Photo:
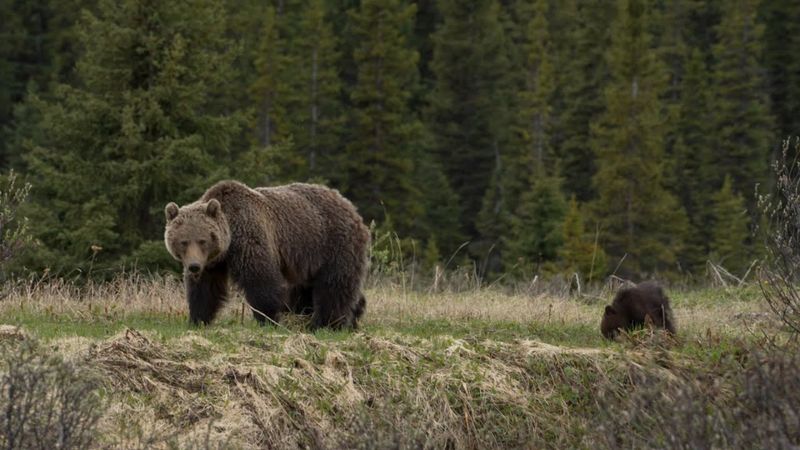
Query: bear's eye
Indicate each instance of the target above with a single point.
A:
(202, 242)
(184, 244)
(214, 237)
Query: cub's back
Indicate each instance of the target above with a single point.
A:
(645, 299)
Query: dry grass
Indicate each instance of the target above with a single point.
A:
(481, 368)
(389, 304)
(121, 296)
(302, 392)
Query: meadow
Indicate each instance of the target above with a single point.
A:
(454, 365)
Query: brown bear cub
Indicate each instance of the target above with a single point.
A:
(636, 306)
(299, 247)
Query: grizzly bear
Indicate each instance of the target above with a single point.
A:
(633, 307)
(299, 247)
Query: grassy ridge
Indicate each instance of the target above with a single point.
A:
(477, 369)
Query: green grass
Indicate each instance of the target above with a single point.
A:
(478, 369)
(50, 326)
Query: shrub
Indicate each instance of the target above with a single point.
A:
(45, 403)
(759, 407)
(781, 212)
(14, 235)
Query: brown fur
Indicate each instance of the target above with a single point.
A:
(634, 307)
(299, 247)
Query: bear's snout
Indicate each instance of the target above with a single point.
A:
(194, 268)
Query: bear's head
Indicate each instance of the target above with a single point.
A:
(197, 235)
(612, 322)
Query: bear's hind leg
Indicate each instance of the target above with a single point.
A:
(337, 302)
(301, 300)
(266, 299)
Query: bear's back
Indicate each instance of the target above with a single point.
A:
(323, 212)
(337, 213)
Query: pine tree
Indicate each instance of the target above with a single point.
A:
(141, 128)
(730, 230)
(691, 155)
(532, 194)
(535, 111)
(743, 137)
(637, 215)
(384, 133)
(671, 24)
(269, 87)
(468, 104)
(313, 97)
(528, 148)
(439, 221)
(37, 47)
(245, 26)
(537, 225)
(668, 28)
(12, 88)
(428, 19)
(580, 253)
(581, 37)
(297, 90)
(494, 218)
(781, 59)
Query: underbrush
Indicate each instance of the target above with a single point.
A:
(45, 403)
(748, 399)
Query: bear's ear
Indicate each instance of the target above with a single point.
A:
(610, 310)
(212, 208)
(171, 211)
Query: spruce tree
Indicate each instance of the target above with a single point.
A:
(297, 91)
(269, 86)
(534, 100)
(691, 156)
(37, 47)
(580, 253)
(782, 61)
(533, 194)
(742, 125)
(468, 104)
(637, 215)
(140, 128)
(12, 79)
(245, 28)
(730, 230)
(440, 208)
(581, 38)
(313, 98)
(529, 125)
(384, 134)
(673, 25)
(537, 225)
(670, 26)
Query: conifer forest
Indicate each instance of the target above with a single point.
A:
(627, 137)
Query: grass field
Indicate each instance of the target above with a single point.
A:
(482, 368)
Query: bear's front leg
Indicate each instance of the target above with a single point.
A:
(206, 293)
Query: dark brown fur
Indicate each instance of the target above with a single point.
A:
(299, 247)
(634, 307)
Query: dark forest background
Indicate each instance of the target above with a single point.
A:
(526, 136)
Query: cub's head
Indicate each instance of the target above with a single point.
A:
(612, 322)
(196, 235)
